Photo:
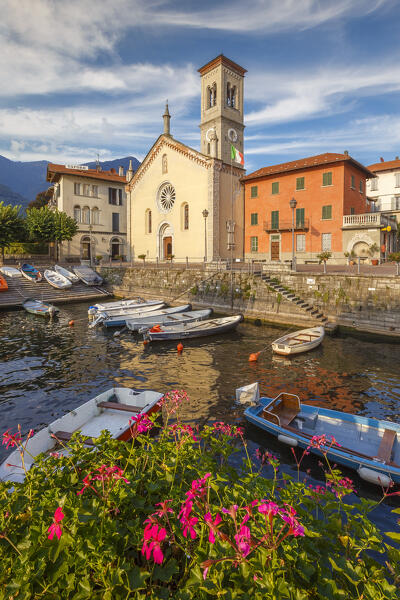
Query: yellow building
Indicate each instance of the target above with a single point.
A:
(189, 204)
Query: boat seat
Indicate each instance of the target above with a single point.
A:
(65, 436)
(119, 406)
(282, 410)
(386, 445)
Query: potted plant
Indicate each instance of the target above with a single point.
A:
(323, 257)
(99, 258)
(372, 250)
(142, 257)
(350, 257)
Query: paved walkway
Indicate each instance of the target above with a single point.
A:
(384, 270)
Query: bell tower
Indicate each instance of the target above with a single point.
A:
(221, 108)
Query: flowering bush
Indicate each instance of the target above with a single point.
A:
(169, 517)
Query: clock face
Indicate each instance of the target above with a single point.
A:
(232, 135)
(209, 134)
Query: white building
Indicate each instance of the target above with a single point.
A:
(96, 199)
(384, 188)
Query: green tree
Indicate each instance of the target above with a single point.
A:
(65, 228)
(42, 199)
(11, 225)
(40, 223)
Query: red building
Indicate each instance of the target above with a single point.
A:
(324, 188)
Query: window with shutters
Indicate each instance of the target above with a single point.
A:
(352, 210)
(397, 180)
(327, 212)
(326, 242)
(86, 215)
(300, 217)
(353, 182)
(77, 214)
(275, 187)
(77, 189)
(95, 215)
(374, 184)
(361, 186)
(115, 222)
(254, 191)
(254, 244)
(300, 183)
(300, 242)
(254, 218)
(275, 219)
(86, 189)
(327, 178)
(115, 196)
(95, 191)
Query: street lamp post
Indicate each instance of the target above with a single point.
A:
(205, 215)
(90, 244)
(293, 204)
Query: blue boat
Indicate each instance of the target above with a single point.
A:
(31, 273)
(37, 307)
(370, 446)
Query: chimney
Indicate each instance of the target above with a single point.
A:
(397, 158)
(121, 171)
(129, 172)
(167, 119)
(382, 159)
(346, 152)
(113, 171)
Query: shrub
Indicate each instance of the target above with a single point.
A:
(169, 517)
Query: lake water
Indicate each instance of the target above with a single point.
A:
(48, 368)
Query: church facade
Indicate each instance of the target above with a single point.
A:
(183, 203)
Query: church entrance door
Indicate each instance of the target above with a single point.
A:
(167, 247)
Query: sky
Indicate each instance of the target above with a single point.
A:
(87, 77)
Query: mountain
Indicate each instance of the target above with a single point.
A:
(21, 181)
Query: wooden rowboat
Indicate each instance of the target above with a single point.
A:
(57, 280)
(37, 307)
(370, 446)
(167, 319)
(31, 273)
(87, 275)
(122, 304)
(109, 411)
(11, 271)
(196, 329)
(3, 284)
(299, 341)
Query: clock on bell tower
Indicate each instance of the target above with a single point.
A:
(221, 107)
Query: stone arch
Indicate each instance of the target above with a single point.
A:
(88, 247)
(359, 244)
(116, 247)
(165, 240)
(86, 215)
(95, 217)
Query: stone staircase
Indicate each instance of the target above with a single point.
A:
(310, 309)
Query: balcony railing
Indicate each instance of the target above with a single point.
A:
(375, 219)
(286, 226)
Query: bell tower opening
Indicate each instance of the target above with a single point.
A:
(222, 83)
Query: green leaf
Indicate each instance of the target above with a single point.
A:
(393, 535)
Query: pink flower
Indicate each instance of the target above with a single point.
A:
(268, 508)
(242, 539)
(165, 509)
(213, 525)
(55, 527)
(11, 440)
(231, 511)
(152, 537)
(142, 423)
(288, 516)
(187, 525)
(205, 573)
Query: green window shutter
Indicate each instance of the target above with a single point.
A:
(254, 191)
(275, 219)
(327, 178)
(254, 218)
(327, 212)
(299, 217)
(352, 210)
(300, 183)
(361, 186)
(275, 187)
(254, 244)
(353, 182)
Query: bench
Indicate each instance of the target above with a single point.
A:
(386, 446)
(65, 436)
(119, 406)
(282, 410)
(309, 261)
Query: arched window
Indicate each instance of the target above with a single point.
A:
(148, 223)
(231, 95)
(95, 215)
(77, 213)
(86, 215)
(185, 216)
(164, 164)
(212, 95)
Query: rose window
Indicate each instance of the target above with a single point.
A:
(166, 197)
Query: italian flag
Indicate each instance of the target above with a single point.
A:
(236, 155)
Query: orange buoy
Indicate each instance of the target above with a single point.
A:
(254, 356)
(179, 347)
(145, 342)
(72, 322)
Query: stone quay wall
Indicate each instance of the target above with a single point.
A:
(362, 302)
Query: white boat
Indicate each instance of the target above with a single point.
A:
(11, 272)
(119, 320)
(68, 274)
(132, 303)
(192, 330)
(87, 275)
(57, 280)
(109, 411)
(153, 321)
(299, 341)
(370, 446)
(118, 317)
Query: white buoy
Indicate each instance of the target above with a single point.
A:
(374, 477)
(285, 439)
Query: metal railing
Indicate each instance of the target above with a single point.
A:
(286, 225)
